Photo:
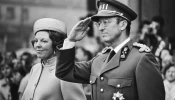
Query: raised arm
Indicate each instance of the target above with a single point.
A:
(66, 68)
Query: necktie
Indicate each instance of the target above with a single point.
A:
(111, 54)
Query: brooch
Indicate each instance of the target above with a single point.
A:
(118, 96)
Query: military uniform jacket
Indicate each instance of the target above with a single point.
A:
(129, 75)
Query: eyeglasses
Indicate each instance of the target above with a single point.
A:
(104, 22)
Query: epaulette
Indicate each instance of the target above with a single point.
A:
(139, 45)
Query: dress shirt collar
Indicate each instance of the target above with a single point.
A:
(121, 45)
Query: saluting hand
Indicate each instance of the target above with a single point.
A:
(79, 31)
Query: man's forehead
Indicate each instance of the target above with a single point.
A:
(155, 23)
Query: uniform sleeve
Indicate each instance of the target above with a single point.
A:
(68, 44)
(72, 91)
(68, 70)
(149, 80)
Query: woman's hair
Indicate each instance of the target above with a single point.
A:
(56, 37)
(160, 20)
(164, 70)
(6, 63)
(144, 22)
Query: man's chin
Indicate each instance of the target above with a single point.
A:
(107, 43)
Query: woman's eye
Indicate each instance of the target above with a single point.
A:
(44, 41)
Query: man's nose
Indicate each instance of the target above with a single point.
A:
(101, 27)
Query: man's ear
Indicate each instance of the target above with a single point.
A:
(123, 24)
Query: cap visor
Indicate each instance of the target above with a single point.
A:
(102, 14)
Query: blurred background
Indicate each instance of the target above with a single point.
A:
(18, 16)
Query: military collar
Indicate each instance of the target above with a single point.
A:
(108, 49)
(120, 56)
(126, 49)
(121, 45)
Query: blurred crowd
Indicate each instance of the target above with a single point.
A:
(151, 34)
(14, 71)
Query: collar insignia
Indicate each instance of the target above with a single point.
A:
(124, 52)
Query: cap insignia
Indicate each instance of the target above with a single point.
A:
(103, 7)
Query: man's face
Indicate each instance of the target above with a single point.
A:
(110, 29)
(155, 27)
(16, 76)
(145, 28)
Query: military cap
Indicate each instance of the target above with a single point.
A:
(111, 8)
(49, 24)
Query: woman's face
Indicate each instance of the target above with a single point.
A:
(43, 45)
(6, 71)
(16, 76)
(170, 74)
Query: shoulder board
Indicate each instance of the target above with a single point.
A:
(142, 46)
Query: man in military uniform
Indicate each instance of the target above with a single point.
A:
(121, 71)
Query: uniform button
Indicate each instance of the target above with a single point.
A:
(102, 78)
(118, 85)
(91, 82)
(101, 90)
